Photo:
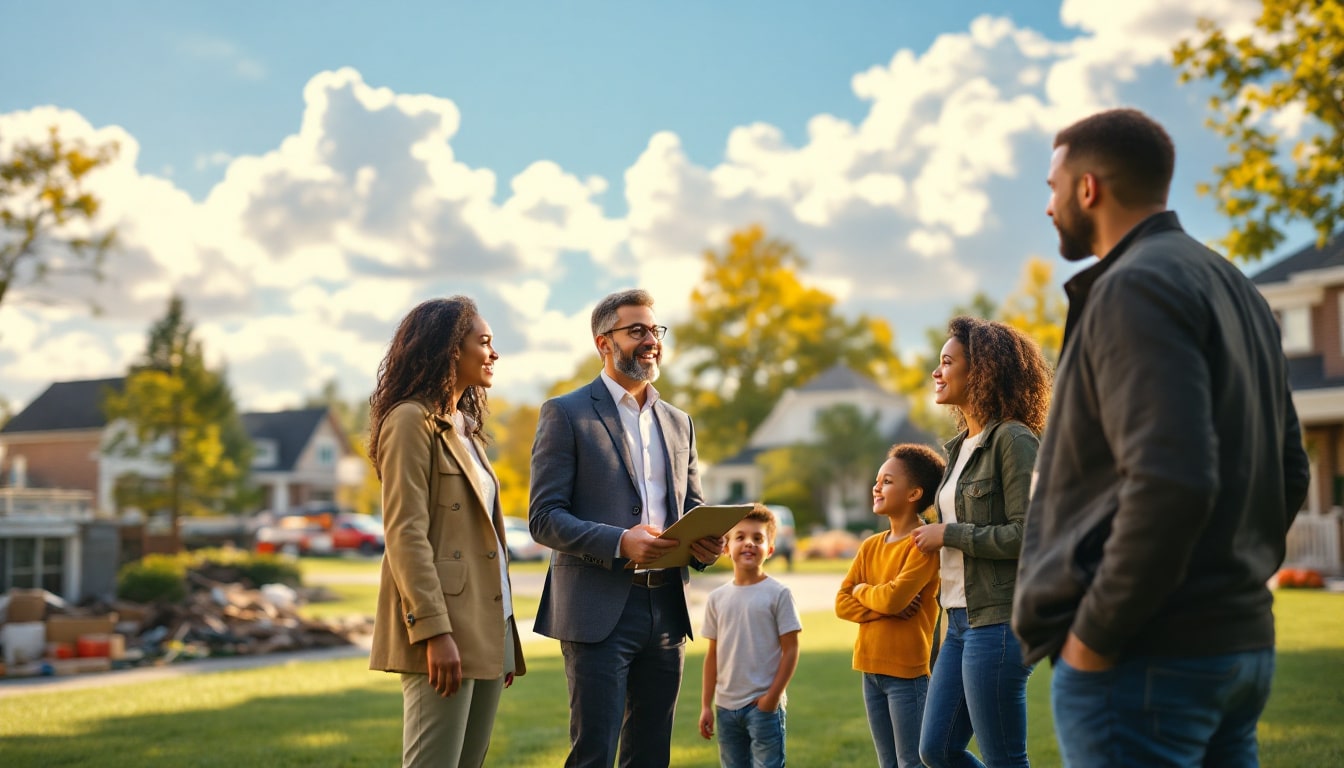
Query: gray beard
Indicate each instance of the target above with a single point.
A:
(636, 370)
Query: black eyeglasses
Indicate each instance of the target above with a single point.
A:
(638, 332)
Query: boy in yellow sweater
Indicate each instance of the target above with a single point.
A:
(891, 592)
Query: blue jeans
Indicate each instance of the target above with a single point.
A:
(979, 686)
(1163, 711)
(750, 738)
(895, 710)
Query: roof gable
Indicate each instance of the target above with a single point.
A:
(840, 378)
(1307, 259)
(289, 431)
(66, 405)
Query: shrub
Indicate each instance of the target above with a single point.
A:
(153, 579)
(163, 578)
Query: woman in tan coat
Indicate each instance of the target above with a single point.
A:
(445, 616)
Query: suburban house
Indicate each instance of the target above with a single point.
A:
(1306, 292)
(300, 457)
(59, 525)
(793, 421)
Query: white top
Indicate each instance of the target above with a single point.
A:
(953, 562)
(745, 623)
(645, 445)
(490, 491)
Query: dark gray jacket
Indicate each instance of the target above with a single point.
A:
(991, 503)
(1172, 463)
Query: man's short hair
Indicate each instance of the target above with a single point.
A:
(1131, 153)
(604, 314)
(924, 467)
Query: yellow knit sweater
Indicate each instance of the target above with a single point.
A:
(891, 574)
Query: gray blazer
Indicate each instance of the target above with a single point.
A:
(584, 496)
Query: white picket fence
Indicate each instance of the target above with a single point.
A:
(1313, 542)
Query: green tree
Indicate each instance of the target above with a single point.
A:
(848, 450)
(179, 415)
(48, 218)
(756, 330)
(1291, 63)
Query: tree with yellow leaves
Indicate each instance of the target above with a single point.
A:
(48, 220)
(755, 330)
(1290, 66)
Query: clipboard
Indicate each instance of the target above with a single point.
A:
(704, 520)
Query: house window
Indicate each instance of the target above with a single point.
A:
(265, 454)
(737, 491)
(1295, 327)
(33, 562)
(326, 454)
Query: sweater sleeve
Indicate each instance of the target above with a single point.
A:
(895, 594)
(847, 606)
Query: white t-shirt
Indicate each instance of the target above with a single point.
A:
(745, 623)
(491, 492)
(953, 562)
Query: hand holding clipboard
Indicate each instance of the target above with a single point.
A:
(705, 520)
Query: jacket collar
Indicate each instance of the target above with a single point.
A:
(951, 446)
(446, 433)
(1080, 285)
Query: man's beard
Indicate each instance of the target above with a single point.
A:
(1076, 232)
(633, 367)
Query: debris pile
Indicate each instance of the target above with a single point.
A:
(42, 635)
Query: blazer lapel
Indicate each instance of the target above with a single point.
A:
(672, 439)
(611, 419)
(458, 450)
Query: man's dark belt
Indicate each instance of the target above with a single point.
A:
(652, 579)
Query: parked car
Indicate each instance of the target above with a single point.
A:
(786, 540)
(361, 533)
(520, 543)
(321, 531)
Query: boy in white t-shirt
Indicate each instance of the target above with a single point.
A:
(752, 626)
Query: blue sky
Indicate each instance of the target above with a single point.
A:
(304, 172)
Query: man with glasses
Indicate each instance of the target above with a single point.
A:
(612, 467)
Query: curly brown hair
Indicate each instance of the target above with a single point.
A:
(1007, 377)
(421, 364)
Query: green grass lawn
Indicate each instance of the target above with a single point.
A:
(339, 714)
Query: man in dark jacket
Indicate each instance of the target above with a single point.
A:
(1171, 469)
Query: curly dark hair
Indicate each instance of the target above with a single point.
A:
(421, 364)
(1007, 378)
(924, 466)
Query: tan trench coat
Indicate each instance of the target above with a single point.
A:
(441, 567)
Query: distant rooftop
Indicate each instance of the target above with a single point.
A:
(840, 378)
(66, 405)
(1305, 260)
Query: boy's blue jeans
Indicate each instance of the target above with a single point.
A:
(750, 738)
(1163, 711)
(979, 686)
(895, 709)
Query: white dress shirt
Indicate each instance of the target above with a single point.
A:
(645, 444)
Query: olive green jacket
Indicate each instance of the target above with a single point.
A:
(992, 496)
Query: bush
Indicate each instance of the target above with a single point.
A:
(153, 579)
(163, 578)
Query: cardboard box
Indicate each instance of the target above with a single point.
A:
(67, 629)
(26, 605)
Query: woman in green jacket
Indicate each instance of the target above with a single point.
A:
(998, 386)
